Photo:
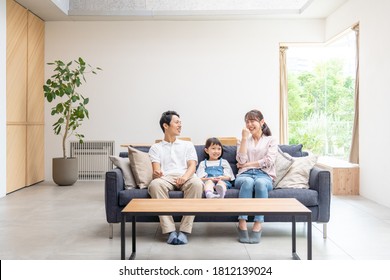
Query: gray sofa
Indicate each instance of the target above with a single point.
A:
(316, 197)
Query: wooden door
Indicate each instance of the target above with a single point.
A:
(35, 101)
(25, 102)
(16, 95)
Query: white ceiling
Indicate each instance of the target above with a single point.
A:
(58, 10)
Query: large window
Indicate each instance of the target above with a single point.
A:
(321, 86)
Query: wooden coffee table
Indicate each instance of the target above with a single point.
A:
(213, 207)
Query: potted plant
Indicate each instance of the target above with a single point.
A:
(61, 88)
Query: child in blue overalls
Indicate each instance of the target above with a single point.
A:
(215, 171)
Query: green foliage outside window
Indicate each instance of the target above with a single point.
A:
(321, 109)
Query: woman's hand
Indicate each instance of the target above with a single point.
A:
(241, 165)
(253, 164)
(245, 133)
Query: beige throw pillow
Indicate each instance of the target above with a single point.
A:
(298, 175)
(141, 166)
(124, 165)
(283, 163)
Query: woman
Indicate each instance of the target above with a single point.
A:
(256, 154)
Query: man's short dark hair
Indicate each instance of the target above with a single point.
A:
(166, 117)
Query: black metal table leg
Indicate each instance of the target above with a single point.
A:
(133, 238)
(123, 239)
(294, 239)
(309, 238)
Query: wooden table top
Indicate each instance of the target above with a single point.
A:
(215, 206)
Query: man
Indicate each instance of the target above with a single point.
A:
(174, 164)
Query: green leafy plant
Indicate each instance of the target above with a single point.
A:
(321, 109)
(71, 106)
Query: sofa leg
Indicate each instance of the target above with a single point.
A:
(325, 230)
(110, 230)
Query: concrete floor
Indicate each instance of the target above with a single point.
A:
(48, 222)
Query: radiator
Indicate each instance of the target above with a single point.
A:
(93, 158)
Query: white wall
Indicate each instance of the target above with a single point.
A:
(211, 72)
(3, 129)
(374, 91)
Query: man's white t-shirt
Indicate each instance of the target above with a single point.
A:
(173, 157)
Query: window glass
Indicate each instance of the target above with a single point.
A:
(321, 88)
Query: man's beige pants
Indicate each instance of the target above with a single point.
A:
(160, 187)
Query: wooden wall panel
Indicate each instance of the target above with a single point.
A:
(35, 154)
(16, 62)
(25, 101)
(16, 157)
(35, 69)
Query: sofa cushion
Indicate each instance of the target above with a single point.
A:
(141, 167)
(124, 165)
(307, 197)
(292, 150)
(229, 153)
(126, 195)
(200, 152)
(298, 175)
(283, 164)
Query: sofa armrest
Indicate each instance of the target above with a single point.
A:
(320, 181)
(113, 185)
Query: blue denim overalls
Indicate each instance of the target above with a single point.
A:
(215, 171)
